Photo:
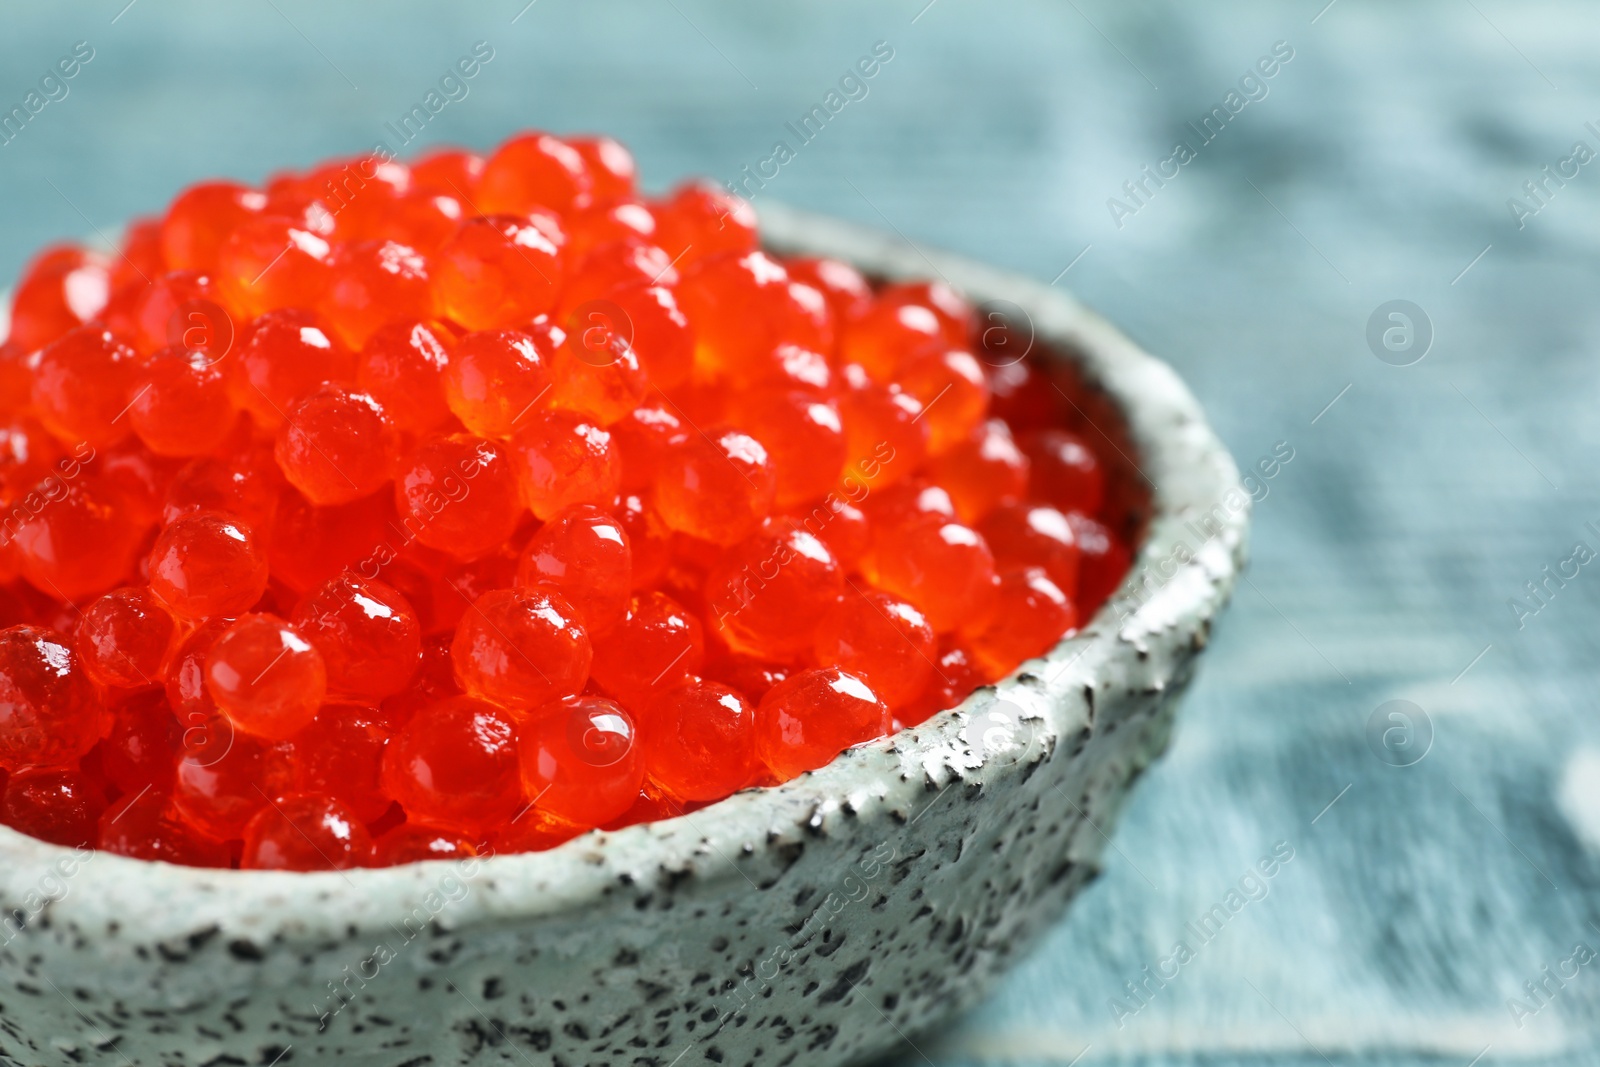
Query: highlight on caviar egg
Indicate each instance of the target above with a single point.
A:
(360, 529)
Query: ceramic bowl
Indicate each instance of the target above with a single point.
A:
(817, 922)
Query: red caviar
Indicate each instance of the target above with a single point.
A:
(497, 504)
(266, 677)
(581, 759)
(305, 832)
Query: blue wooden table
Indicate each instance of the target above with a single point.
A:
(1442, 892)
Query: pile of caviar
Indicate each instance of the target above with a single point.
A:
(391, 512)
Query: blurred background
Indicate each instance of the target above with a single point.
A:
(1387, 702)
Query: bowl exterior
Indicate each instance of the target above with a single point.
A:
(821, 921)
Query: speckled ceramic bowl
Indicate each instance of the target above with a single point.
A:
(813, 923)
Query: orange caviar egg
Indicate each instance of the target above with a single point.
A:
(16, 379)
(649, 541)
(305, 832)
(562, 459)
(609, 222)
(700, 220)
(718, 486)
(186, 690)
(1035, 535)
(266, 677)
(954, 396)
(1102, 560)
(644, 438)
(603, 268)
(700, 741)
(149, 825)
(941, 566)
(455, 766)
(752, 677)
(284, 356)
(580, 761)
(804, 438)
(425, 221)
(846, 290)
(201, 219)
(367, 633)
(177, 308)
(1031, 615)
(60, 290)
(271, 262)
(884, 640)
(310, 544)
(208, 564)
(597, 374)
(49, 715)
(583, 554)
(799, 370)
(29, 454)
(611, 168)
(123, 639)
(458, 493)
(140, 258)
(1018, 392)
(82, 385)
(448, 172)
(657, 330)
(180, 404)
(956, 674)
(906, 501)
(352, 201)
(370, 282)
(336, 445)
(767, 595)
(984, 471)
(534, 170)
(242, 479)
(521, 649)
(224, 780)
(958, 320)
(498, 271)
(59, 806)
(743, 308)
(1065, 471)
(889, 337)
(886, 437)
(809, 718)
(496, 379)
(140, 478)
(79, 543)
(432, 681)
(839, 524)
(402, 367)
(657, 645)
(413, 842)
(340, 755)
